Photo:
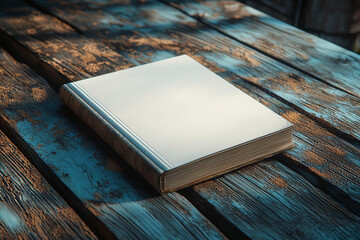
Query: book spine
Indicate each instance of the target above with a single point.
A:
(123, 146)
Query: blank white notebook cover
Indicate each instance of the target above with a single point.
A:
(181, 110)
(177, 111)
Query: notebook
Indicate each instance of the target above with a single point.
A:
(176, 122)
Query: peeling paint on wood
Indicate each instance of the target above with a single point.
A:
(267, 201)
(29, 207)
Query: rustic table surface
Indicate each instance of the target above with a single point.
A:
(59, 180)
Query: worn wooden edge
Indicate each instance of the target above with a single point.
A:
(289, 15)
(232, 19)
(339, 195)
(24, 55)
(216, 216)
(29, 206)
(323, 123)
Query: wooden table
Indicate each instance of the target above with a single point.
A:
(59, 180)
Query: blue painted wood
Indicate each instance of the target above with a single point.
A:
(105, 184)
(327, 61)
(29, 206)
(138, 50)
(269, 202)
(323, 153)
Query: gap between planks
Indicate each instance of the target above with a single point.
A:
(323, 123)
(97, 226)
(207, 209)
(333, 191)
(47, 12)
(22, 54)
(28, 203)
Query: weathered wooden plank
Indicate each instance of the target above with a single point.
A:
(62, 40)
(276, 204)
(29, 206)
(166, 29)
(324, 154)
(108, 188)
(327, 61)
(340, 168)
(349, 220)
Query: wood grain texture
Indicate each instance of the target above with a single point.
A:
(107, 187)
(268, 198)
(322, 152)
(140, 51)
(29, 207)
(327, 61)
(168, 30)
(325, 155)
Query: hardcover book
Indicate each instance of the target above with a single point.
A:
(176, 122)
